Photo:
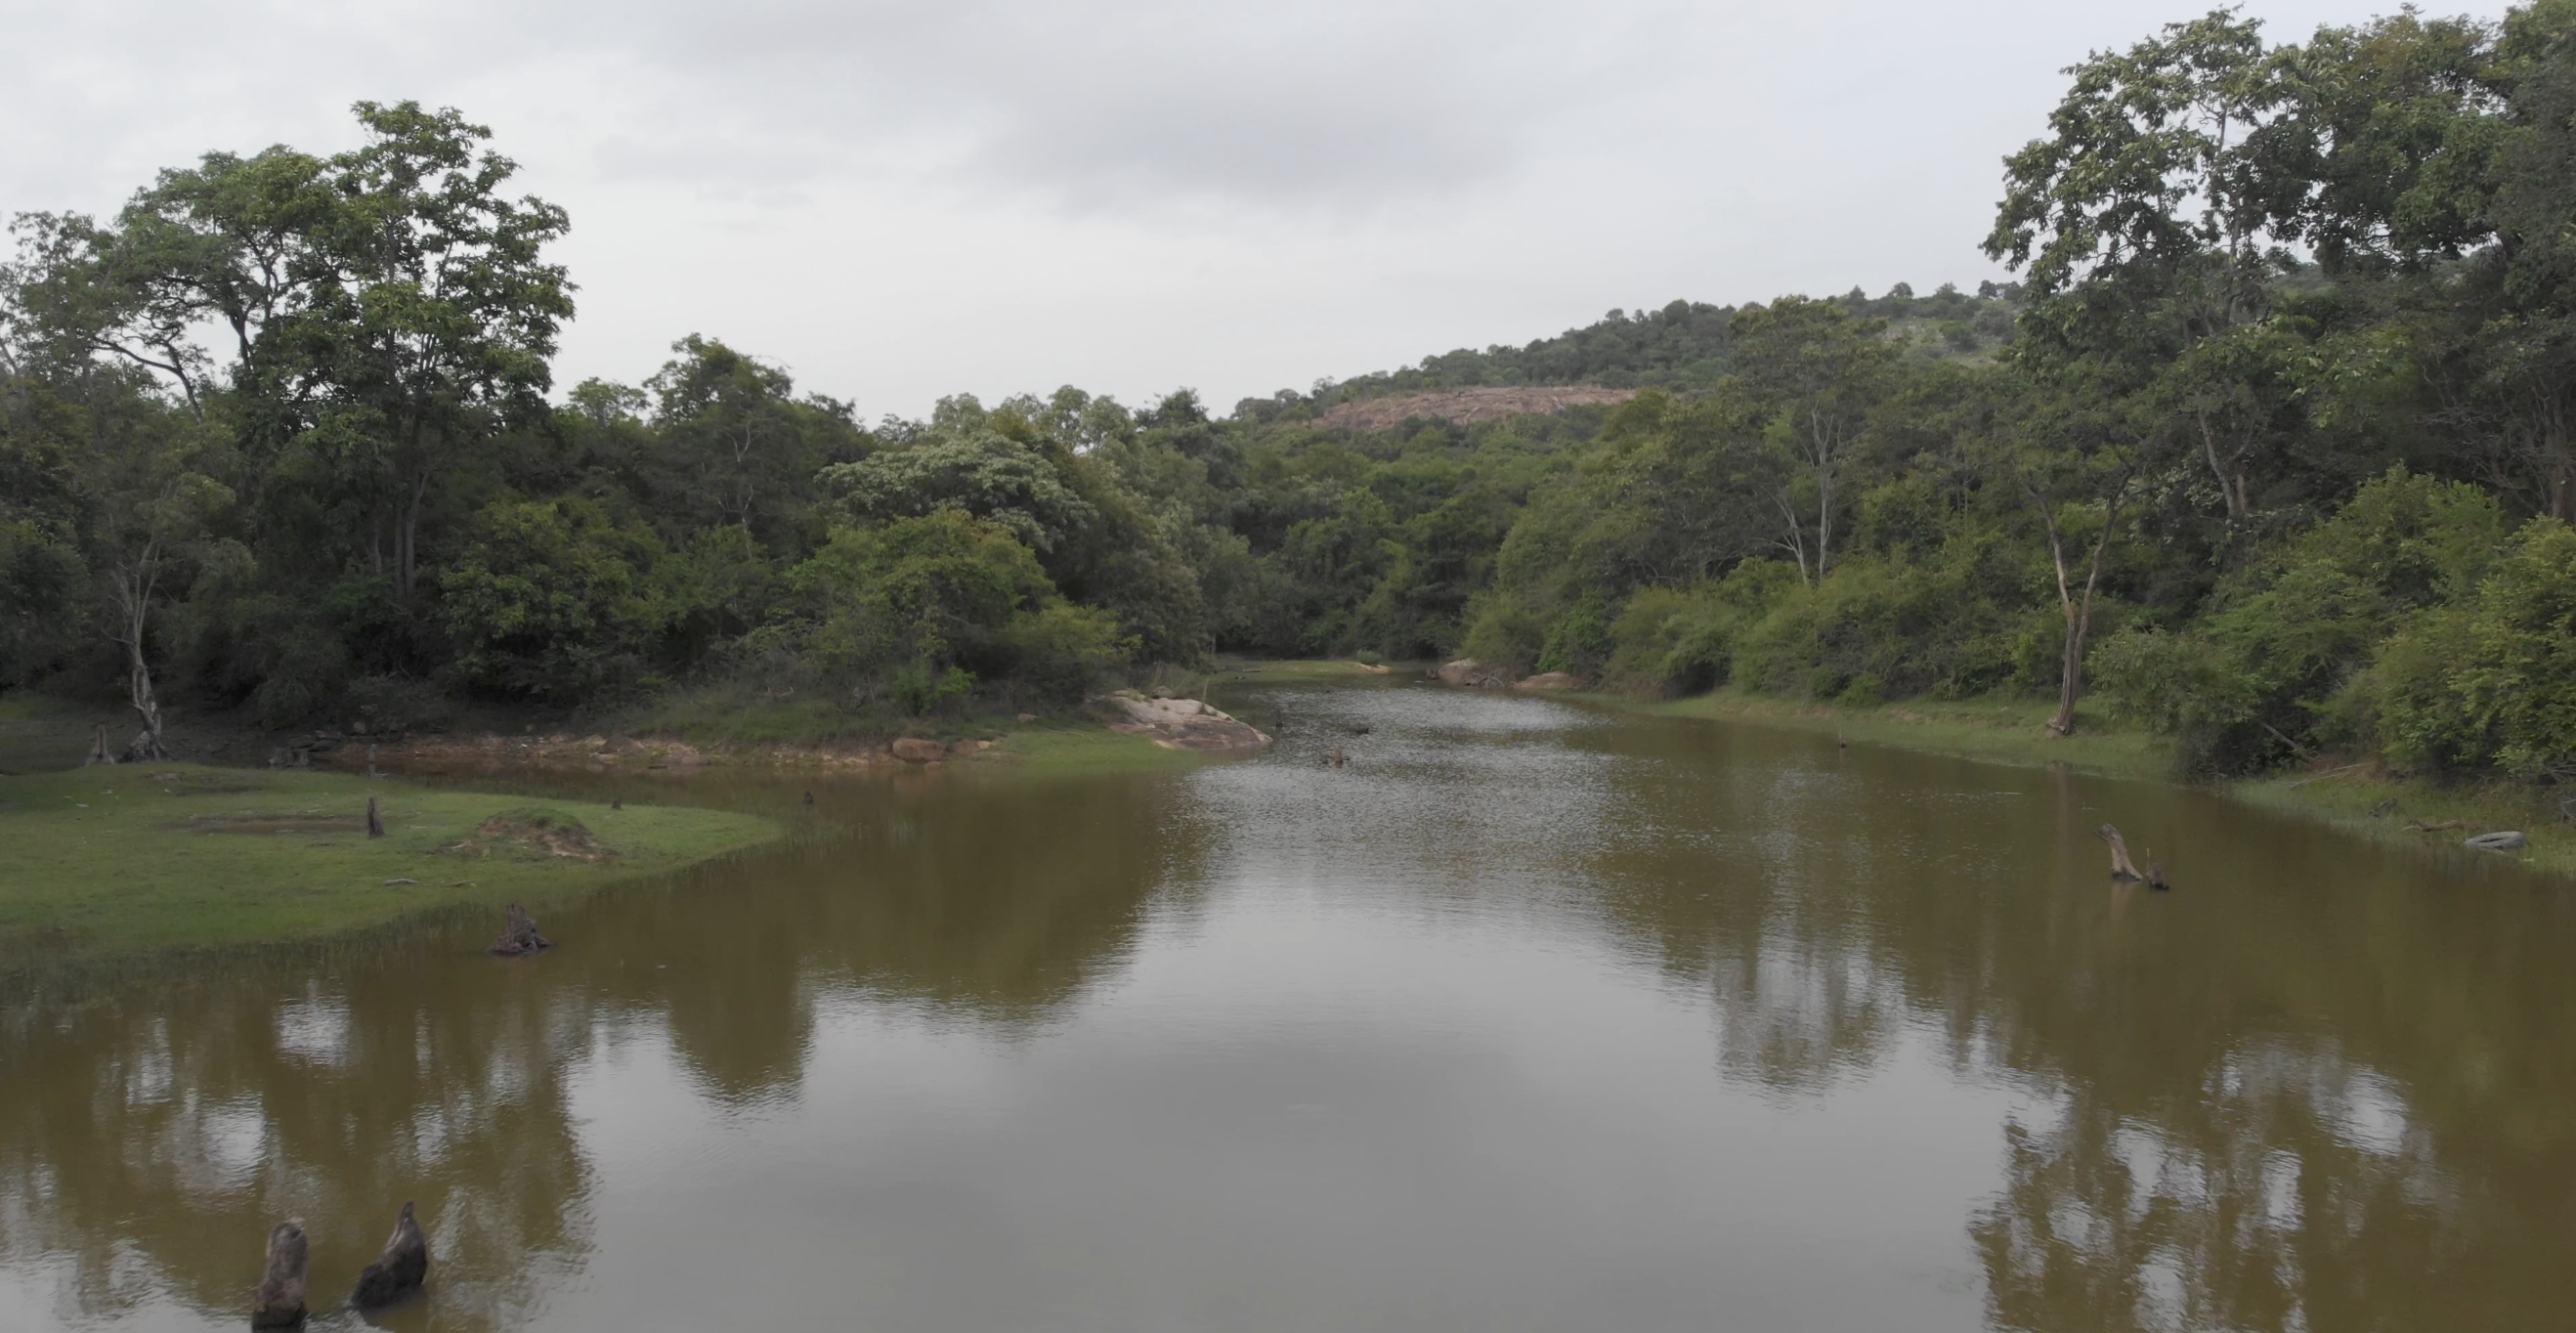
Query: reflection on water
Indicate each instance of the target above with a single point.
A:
(1529, 1018)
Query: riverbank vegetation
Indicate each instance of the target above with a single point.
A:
(126, 860)
(2267, 449)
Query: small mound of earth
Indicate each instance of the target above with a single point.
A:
(1178, 724)
(532, 835)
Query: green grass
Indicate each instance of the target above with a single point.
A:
(2369, 802)
(1069, 747)
(106, 862)
(2012, 731)
(1304, 669)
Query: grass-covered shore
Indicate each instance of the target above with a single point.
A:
(137, 859)
(2364, 799)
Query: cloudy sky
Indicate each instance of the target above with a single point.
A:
(898, 199)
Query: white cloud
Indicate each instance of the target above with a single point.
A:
(906, 199)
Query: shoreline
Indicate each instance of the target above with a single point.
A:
(2363, 799)
(118, 870)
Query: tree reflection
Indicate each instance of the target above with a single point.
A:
(147, 1144)
(169, 1133)
(2302, 1092)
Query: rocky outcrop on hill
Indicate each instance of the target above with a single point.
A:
(1469, 406)
(1177, 724)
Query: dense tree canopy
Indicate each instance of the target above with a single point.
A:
(2271, 439)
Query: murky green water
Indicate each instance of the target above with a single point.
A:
(1530, 1019)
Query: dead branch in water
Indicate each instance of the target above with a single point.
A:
(2122, 868)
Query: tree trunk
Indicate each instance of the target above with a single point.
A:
(280, 1299)
(134, 589)
(400, 1270)
(2231, 476)
(2078, 610)
(375, 819)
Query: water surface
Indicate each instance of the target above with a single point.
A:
(1531, 1018)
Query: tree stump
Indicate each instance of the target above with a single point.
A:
(400, 1270)
(280, 1300)
(375, 819)
(519, 935)
(2122, 868)
(98, 751)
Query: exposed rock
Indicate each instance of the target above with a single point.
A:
(1469, 671)
(2508, 840)
(279, 1302)
(1178, 724)
(519, 935)
(1553, 680)
(917, 749)
(400, 1270)
(1471, 405)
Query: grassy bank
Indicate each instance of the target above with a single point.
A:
(2362, 798)
(2010, 731)
(134, 858)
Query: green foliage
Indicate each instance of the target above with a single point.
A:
(1674, 641)
(549, 601)
(2263, 675)
(2490, 682)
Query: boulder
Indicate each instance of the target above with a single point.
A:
(1553, 680)
(1178, 724)
(1466, 671)
(917, 749)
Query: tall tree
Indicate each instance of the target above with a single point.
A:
(1817, 370)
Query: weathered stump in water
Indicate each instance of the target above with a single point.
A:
(400, 1270)
(2122, 868)
(375, 819)
(279, 1302)
(519, 935)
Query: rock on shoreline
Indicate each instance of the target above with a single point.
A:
(1178, 724)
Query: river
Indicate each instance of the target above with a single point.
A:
(1532, 1017)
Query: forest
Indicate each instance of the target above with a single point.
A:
(2266, 446)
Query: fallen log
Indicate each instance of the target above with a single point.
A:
(279, 1303)
(519, 935)
(2506, 840)
(400, 1270)
(2122, 868)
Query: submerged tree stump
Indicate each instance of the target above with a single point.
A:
(519, 935)
(2122, 868)
(279, 1302)
(400, 1270)
(375, 819)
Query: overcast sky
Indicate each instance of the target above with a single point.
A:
(899, 199)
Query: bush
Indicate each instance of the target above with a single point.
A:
(2272, 671)
(548, 602)
(2491, 683)
(1948, 624)
(1673, 641)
